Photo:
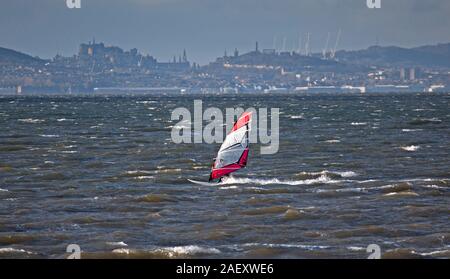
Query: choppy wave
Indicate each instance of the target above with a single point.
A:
(229, 187)
(356, 248)
(127, 190)
(31, 120)
(137, 172)
(168, 170)
(117, 244)
(297, 117)
(276, 209)
(9, 250)
(411, 130)
(438, 253)
(359, 123)
(332, 141)
(434, 187)
(404, 253)
(287, 245)
(323, 179)
(144, 177)
(168, 252)
(397, 189)
(331, 174)
(145, 102)
(156, 198)
(424, 121)
(401, 194)
(410, 148)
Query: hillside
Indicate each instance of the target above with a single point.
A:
(9, 56)
(426, 56)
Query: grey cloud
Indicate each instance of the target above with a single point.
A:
(207, 27)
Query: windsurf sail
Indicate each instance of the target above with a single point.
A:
(233, 153)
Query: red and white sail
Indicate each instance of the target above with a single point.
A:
(233, 153)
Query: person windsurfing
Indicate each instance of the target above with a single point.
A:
(221, 179)
(233, 153)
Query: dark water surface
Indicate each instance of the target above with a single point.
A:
(102, 172)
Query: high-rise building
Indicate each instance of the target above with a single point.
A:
(412, 74)
(402, 74)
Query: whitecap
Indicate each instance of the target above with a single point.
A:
(31, 120)
(229, 187)
(411, 130)
(325, 172)
(190, 250)
(144, 177)
(297, 117)
(138, 171)
(410, 148)
(321, 179)
(145, 102)
(121, 244)
(167, 170)
(282, 245)
(14, 250)
(346, 173)
(434, 187)
(402, 193)
(367, 181)
(434, 253)
(69, 146)
(356, 248)
(173, 251)
(358, 123)
(357, 190)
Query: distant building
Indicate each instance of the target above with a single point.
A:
(184, 56)
(402, 74)
(412, 74)
(269, 51)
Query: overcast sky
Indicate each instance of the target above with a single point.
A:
(206, 28)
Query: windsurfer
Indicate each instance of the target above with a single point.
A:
(233, 153)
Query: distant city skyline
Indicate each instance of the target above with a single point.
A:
(206, 28)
